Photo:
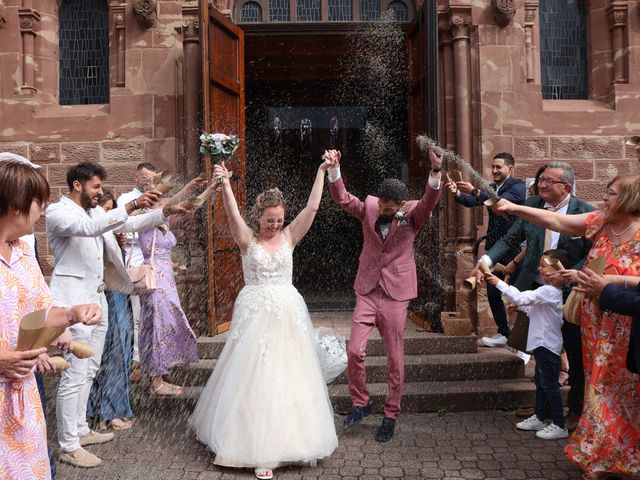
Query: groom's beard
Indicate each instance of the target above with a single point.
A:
(385, 218)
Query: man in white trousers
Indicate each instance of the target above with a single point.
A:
(84, 262)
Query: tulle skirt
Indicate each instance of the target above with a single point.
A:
(266, 403)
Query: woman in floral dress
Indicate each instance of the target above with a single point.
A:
(23, 438)
(608, 434)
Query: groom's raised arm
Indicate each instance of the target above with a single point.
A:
(348, 202)
(424, 209)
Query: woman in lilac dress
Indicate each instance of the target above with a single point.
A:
(166, 339)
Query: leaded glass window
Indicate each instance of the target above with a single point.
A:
(563, 49)
(308, 10)
(278, 10)
(399, 11)
(84, 52)
(340, 10)
(251, 12)
(369, 10)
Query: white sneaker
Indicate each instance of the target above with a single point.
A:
(497, 340)
(552, 432)
(533, 423)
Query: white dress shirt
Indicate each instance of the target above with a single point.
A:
(544, 308)
(132, 245)
(555, 237)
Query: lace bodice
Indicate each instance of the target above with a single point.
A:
(260, 268)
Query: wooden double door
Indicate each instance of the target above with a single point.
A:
(224, 111)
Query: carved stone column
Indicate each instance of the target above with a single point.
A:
(456, 21)
(191, 55)
(460, 23)
(118, 12)
(453, 210)
(530, 10)
(617, 14)
(29, 26)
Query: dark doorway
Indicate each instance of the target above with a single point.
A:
(315, 87)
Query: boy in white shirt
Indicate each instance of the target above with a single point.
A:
(544, 308)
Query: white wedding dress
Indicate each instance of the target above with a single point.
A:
(266, 402)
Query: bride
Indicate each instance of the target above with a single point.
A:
(266, 403)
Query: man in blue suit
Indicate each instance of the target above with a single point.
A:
(514, 190)
(617, 299)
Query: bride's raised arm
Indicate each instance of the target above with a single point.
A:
(302, 223)
(241, 232)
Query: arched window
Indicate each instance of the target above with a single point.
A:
(340, 10)
(369, 10)
(308, 10)
(563, 49)
(278, 10)
(398, 11)
(251, 12)
(84, 52)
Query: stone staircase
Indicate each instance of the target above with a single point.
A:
(442, 373)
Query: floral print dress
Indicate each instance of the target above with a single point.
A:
(23, 434)
(608, 435)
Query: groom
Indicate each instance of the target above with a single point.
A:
(386, 281)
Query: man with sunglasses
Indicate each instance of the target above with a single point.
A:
(554, 193)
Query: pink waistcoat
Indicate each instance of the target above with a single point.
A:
(389, 263)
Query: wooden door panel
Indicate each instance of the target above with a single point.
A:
(223, 75)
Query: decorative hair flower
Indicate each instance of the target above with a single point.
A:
(218, 145)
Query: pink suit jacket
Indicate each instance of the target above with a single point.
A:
(391, 262)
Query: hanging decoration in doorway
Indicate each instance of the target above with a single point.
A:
(276, 137)
(334, 130)
(305, 133)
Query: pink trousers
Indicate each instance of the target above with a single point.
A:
(390, 317)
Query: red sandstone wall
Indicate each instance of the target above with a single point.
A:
(141, 122)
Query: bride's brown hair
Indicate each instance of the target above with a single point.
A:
(267, 199)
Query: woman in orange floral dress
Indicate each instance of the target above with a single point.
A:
(607, 440)
(23, 447)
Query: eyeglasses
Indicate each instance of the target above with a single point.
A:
(549, 181)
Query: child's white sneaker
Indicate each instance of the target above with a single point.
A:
(552, 432)
(533, 423)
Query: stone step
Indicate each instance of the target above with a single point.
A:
(486, 364)
(415, 343)
(418, 397)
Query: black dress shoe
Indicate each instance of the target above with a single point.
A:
(356, 415)
(385, 432)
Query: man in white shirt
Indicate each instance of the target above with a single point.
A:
(554, 186)
(143, 178)
(75, 228)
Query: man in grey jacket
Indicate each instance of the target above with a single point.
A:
(76, 228)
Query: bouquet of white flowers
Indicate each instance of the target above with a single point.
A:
(218, 145)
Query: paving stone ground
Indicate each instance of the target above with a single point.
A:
(451, 446)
